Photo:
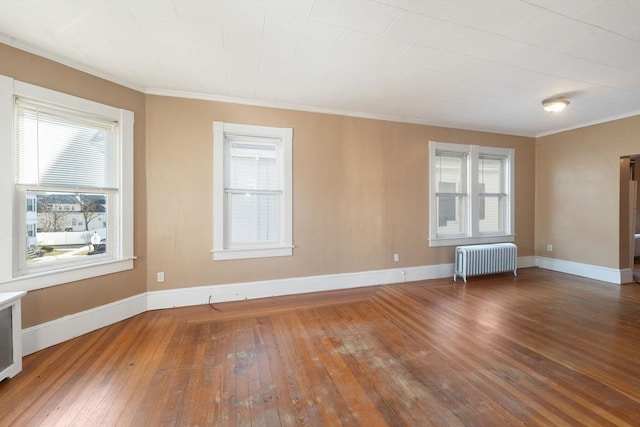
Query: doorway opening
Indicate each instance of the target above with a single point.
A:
(630, 218)
(634, 215)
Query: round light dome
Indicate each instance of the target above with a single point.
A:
(555, 105)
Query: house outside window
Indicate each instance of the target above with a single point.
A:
(31, 204)
(252, 191)
(63, 159)
(471, 194)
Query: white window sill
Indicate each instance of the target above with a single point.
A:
(49, 278)
(228, 254)
(456, 241)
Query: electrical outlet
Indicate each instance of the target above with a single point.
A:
(549, 248)
(160, 276)
(396, 257)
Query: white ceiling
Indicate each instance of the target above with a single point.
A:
(471, 64)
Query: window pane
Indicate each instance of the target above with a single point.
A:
(490, 174)
(451, 169)
(65, 226)
(253, 219)
(450, 215)
(253, 166)
(58, 150)
(493, 210)
(447, 205)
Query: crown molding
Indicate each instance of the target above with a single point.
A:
(591, 123)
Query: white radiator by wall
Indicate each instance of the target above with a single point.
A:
(475, 260)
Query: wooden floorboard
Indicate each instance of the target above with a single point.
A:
(539, 349)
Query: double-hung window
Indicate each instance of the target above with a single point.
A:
(252, 191)
(471, 194)
(67, 178)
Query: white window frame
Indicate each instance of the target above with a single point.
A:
(284, 246)
(12, 213)
(471, 233)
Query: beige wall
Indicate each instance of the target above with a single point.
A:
(55, 302)
(360, 193)
(577, 207)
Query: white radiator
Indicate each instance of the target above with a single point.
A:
(475, 260)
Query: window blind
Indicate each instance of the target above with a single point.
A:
(57, 150)
(253, 165)
(253, 193)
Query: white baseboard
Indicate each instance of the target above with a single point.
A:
(626, 275)
(605, 274)
(527, 262)
(65, 328)
(297, 285)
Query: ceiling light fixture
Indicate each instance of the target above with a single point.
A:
(554, 105)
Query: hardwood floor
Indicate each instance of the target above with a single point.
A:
(542, 348)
